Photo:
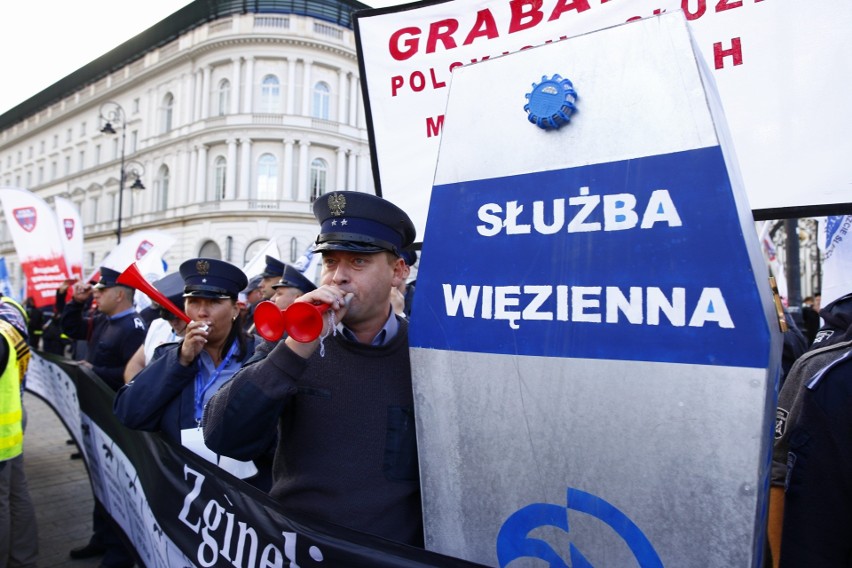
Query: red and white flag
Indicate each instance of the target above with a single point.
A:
(837, 257)
(71, 229)
(35, 232)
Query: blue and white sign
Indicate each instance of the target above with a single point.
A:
(593, 312)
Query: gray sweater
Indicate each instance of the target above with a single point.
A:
(347, 450)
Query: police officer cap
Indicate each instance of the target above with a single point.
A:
(211, 278)
(361, 222)
(171, 286)
(274, 267)
(253, 284)
(109, 278)
(294, 279)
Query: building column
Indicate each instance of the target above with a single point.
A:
(248, 86)
(231, 171)
(306, 88)
(196, 107)
(350, 178)
(340, 171)
(244, 189)
(363, 168)
(303, 189)
(289, 190)
(341, 96)
(192, 189)
(185, 100)
(205, 92)
(183, 197)
(291, 85)
(353, 100)
(235, 90)
(201, 187)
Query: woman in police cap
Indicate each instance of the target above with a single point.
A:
(169, 394)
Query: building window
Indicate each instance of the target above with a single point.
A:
(81, 164)
(319, 175)
(40, 175)
(67, 165)
(68, 135)
(161, 188)
(136, 105)
(55, 141)
(168, 112)
(322, 94)
(267, 176)
(134, 141)
(29, 179)
(223, 97)
(115, 149)
(221, 169)
(54, 170)
(82, 129)
(210, 250)
(41, 147)
(270, 93)
(97, 154)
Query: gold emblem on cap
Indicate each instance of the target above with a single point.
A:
(203, 267)
(336, 204)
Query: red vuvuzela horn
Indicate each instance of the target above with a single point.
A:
(302, 321)
(133, 278)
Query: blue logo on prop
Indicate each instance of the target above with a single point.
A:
(513, 541)
(551, 102)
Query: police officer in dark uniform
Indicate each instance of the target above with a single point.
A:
(272, 273)
(292, 285)
(113, 333)
(818, 498)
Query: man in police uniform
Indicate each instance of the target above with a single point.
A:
(116, 333)
(272, 273)
(342, 404)
(18, 527)
(292, 285)
(818, 495)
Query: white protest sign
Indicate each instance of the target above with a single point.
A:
(782, 69)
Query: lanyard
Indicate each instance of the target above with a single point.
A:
(201, 387)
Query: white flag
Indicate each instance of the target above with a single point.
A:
(35, 231)
(258, 262)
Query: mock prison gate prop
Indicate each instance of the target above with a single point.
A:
(594, 345)
(177, 509)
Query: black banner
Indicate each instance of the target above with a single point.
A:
(177, 509)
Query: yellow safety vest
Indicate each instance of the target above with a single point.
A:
(11, 413)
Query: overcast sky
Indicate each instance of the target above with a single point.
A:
(42, 41)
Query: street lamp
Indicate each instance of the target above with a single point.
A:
(112, 115)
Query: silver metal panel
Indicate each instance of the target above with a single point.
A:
(677, 448)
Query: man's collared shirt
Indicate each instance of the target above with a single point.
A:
(388, 332)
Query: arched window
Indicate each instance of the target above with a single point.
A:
(267, 177)
(270, 94)
(168, 112)
(221, 168)
(322, 94)
(210, 250)
(161, 189)
(319, 174)
(223, 97)
(253, 249)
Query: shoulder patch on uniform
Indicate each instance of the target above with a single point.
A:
(781, 416)
(138, 323)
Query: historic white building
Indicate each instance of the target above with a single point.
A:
(234, 115)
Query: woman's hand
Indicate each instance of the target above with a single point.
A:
(194, 340)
